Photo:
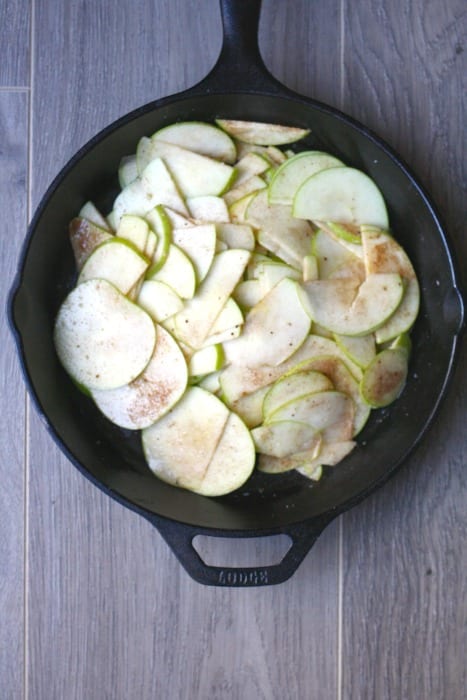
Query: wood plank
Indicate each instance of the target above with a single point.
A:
(111, 611)
(13, 205)
(404, 549)
(14, 43)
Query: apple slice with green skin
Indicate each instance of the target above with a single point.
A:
(382, 253)
(116, 261)
(262, 133)
(159, 300)
(342, 195)
(200, 137)
(177, 271)
(229, 317)
(135, 230)
(360, 349)
(206, 360)
(292, 387)
(344, 307)
(284, 438)
(193, 324)
(249, 407)
(127, 171)
(236, 235)
(179, 447)
(199, 244)
(90, 212)
(304, 462)
(330, 412)
(85, 237)
(160, 223)
(194, 174)
(148, 397)
(271, 273)
(330, 253)
(253, 184)
(154, 186)
(208, 208)
(248, 293)
(151, 244)
(102, 339)
(237, 210)
(272, 221)
(385, 377)
(176, 220)
(249, 165)
(273, 329)
(310, 268)
(294, 171)
(233, 460)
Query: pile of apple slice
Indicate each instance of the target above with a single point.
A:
(241, 304)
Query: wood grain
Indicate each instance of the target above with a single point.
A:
(13, 205)
(15, 16)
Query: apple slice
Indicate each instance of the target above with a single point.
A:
(90, 212)
(135, 230)
(148, 397)
(252, 184)
(127, 171)
(194, 174)
(85, 237)
(102, 339)
(206, 360)
(199, 243)
(269, 273)
(208, 208)
(293, 386)
(304, 462)
(237, 210)
(248, 293)
(177, 271)
(385, 377)
(360, 349)
(262, 133)
(200, 137)
(160, 223)
(117, 262)
(330, 253)
(273, 329)
(343, 195)
(248, 407)
(159, 300)
(236, 235)
(283, 438)
(294, 171)
(180, 445)
(343, 307)
(251, 164)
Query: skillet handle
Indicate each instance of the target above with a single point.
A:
(240, 66)
(180, 539)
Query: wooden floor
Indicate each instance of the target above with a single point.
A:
(93, 604)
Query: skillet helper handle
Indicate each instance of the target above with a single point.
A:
(180, 539)
(240, 65)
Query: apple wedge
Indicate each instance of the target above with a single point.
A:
(200, 137)
(85, 237)
(102, 339)
(294, 171)
(148, 397)
(273, 329)
(342, 306)
(283, 438)
(116, 261)
(342, 195)
(261, 133)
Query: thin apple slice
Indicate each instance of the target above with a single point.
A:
(233, 460)
(385, 377)
(179, 447)
(90, 212)
(135, 230)
(269, 273)
(160, 223)
(294, 171)
(262, 133)
(148, 397)
(273, 329)
(85, 237)
(343, 195)
(154, 186)
(237, 210)
(177, 271)
(208, 208)
(249, 407)
(239, 190)
(194, 174)
(127, 171)
(102, 339)
(206, 360)
(193, 324)
(117, 262)
(283, 438)
(330, 253)
(342, 306)
(200, 137)
(360, 349)
(199, 243)
(159, 300)
(236, 235)
(248, 293)
(293, 386)
(251, 164)
(305, 462)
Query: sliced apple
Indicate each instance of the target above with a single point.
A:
(102, 339)
(85, 236)
(160, 223)
(360, 349)
(248, 293)
(252, 184)
(159, 300)
(237, 210)
(310, 268)
(248, 407)
(330, 253)
(127, 170)
(269, 273)
(206, 360)
(294, 171)
(293, 386)
(283, 438)
(251, 164)
(208, 208)
(304, 462)
(236, 235)
(262, 133)
(148, 397)
(117, 262)
(342, 195)
(177, 271)
(200, 137)
(90, 212)
(342, 306)
(273, 329)
(135, 230)
(385, 377)
(199, 243)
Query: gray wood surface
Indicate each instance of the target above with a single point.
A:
(93, 603)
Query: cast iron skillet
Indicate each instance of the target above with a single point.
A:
(239, 87)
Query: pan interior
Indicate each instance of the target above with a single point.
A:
(113, 457)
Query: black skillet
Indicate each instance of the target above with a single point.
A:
(239, 87)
